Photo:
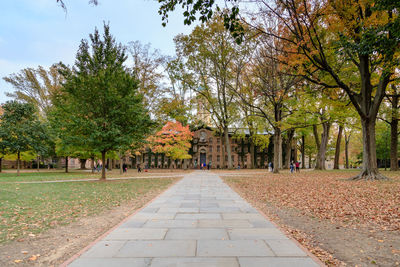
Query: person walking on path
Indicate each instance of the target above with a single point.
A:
(292, 167)
(138, 168)
(297, 166)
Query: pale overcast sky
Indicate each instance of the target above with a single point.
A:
(39, 32)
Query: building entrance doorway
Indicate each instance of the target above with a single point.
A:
(203, 159)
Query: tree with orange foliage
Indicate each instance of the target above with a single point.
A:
(173, 140)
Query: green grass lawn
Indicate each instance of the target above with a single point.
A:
(45, 175)
(32, 208)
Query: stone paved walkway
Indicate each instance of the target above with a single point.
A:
(199, 221)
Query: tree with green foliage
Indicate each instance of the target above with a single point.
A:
(21, 130)
(99, 106)
(212, 57)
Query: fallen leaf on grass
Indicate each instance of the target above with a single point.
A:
(33, 258)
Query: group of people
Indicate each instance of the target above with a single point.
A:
(98, 167)
(204, 166)
(293, 166)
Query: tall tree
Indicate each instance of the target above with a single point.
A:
(210, 53)
(99, 105)
(36, 86)
(148, 67)
(21, 130)
(273, 88)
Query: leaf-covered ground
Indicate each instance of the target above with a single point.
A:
(28, 209)
(357, 222)
(327, 195)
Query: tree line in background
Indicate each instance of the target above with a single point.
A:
(314, 71)
(345, 54)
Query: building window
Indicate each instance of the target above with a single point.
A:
(210, 140)
(218, 158)
(218, 140)
(210, 149)
(218, 148)
(210, 158)
(233, 158)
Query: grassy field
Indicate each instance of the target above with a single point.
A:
(28, 209)
(45, 175)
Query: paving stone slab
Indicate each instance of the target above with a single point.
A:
(196, 216)
(149, 209)
(224, 224)
(255, 234)
(104, 249)
(146, 216)
(152, 249)
(242, 216)
(261, 223)
(220, 209)
(285, 248)
(176, 210)
(197, 234)
(170, 224)
(133, 223)
(225, 248)
(277, 262)
(195, 262)
(136, 234)
(111, 262)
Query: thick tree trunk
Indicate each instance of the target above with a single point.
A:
(18, 162)
(309, 161)
(38, 163)
(303, 156)
(337, 150)
(92, 164)
(1, 164)
(252, 151)
(277, 149)
(320, 160)
(288, 153)
(103, 169)
(394, 165)
(346, 149)
(121, 169)
(228, 148)
(222, 151)
(370, 167)
(83, 164)
(66, 164)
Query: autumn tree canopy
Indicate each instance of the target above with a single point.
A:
(173, 140)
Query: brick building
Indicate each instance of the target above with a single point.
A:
(207, 147)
